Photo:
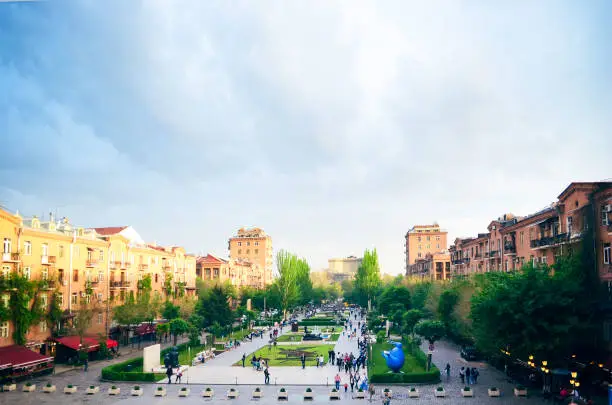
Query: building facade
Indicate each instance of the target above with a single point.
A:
(238, 272)
(434, 266)
(340, 269)
(93, 267)
(254, 246)
(421, 240)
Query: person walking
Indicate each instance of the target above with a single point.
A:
(85, 364)
(267, 375)
(303, 360)
(448, 371)
(352, 381)
(468, 376)
(179, 375)
(371, 391)
(337, 381)
(462, 375)
(169, 374)
(243, 359)
(475, 374)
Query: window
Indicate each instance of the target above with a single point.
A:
(6, 246)
(44, 274)
(428, 238)
(248, 243)
(543, 260)
(75, 275)
(27, 272)
(45, 249)
(44, 301)
(60, 299)
(4, 329)
(100, 276)
(100, 297)
(419, 254)
(239, 251)
(418, 238)
(27, 248)
(239, 243)
(606, 253)
(428, 246)
(256, 251)
(438, 246)
(521, 237)
(437, 238)
(100, 318)
(419, 247)
(5, 300)
(42, 326)
(248, 251)
(60, 250)
(74, 299)
(605, 212)
(88, 298)
(570, 221)
(256, 243)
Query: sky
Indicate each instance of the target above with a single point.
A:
(333, 125)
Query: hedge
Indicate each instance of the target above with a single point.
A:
(117, 372)
(432, 376)
(315, 322)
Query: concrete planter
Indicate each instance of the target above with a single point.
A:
(184, 392)
(29, 388)
(208, 393)
(360, 395)
(283, 395)
(520, 392)
(49, 389)
(9, 387)
(308, 395)
(467, 393)
(70, 390)
(413, 393)
(232, 393)
(439, 393)
(257, 393)
(92, 389)
(160, 392)
(114, 391)
(493, 392)
(136, 391)
(334, 394)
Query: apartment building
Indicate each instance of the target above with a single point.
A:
(543, 236)
(345, 268)
(434, 266)
(422, 240)
(97, 266)
(254, 246)
(238, 272)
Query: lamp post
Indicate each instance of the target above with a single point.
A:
(574, 381)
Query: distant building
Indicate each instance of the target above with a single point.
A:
(343, 268)
(239, 272)
(434, 266)
(254, 246)
(422, 240)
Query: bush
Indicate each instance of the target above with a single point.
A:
(381, 335)
(316, 322)
(431, 376)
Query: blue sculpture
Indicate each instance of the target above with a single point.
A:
(395, 357)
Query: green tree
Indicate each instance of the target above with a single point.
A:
(289, 268)
(430, 330)
(83, 317)
(55, 314)
(213, 307)
(420, 294)
(393, 298)
(367, 279)
(170, 311)
(410, 319)
(179, 327)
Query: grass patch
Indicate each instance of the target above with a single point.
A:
(294, 337)
(413, 369)
(285, 356)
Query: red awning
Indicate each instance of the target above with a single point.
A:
(92, 344)
(145, 329)
(19, 356)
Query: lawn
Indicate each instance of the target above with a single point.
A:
(288, 356)
(290, 337)
(378, 364)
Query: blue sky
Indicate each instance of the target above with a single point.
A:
(334, 125)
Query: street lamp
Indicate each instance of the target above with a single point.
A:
(544, 363)
(574, 374)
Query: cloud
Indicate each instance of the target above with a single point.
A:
(334, 125)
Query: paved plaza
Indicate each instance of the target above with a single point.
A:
(221, 375)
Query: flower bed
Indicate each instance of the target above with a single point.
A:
(413, 369)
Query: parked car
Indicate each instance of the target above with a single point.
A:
(470, 353)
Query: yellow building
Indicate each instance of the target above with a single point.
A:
(97, 267)
(340, 269)
(238, 272)
(422, 240)
(254, 246)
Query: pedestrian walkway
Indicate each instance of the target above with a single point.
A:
(221, 370)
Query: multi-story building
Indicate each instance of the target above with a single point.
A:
(423, 239)
(340, 269)
(96, 267)
(238, 272)
(254, 246)
(434, 266)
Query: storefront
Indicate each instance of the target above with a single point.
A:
(68, 347)
(19, 362)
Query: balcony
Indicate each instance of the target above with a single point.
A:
(166, 267)
(548, 241)
(47, 260)
(143, 267)
(114, 265)
(10, 257)
(119, 284)
(509, 248)
(48, 284)
(94, 282)
(125, 265)
(91, 263)
(477, 256)
(493, 254)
